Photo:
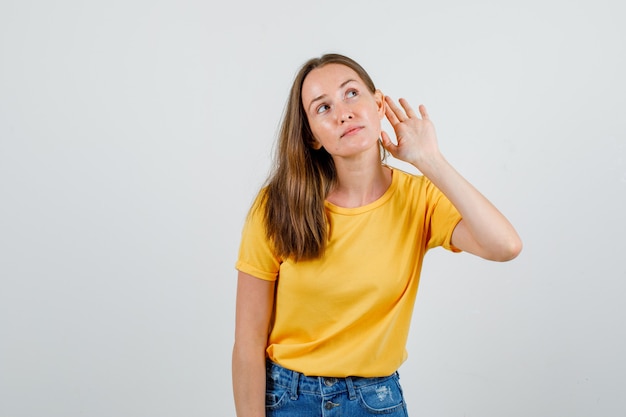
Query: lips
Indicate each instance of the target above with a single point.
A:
(351, 131)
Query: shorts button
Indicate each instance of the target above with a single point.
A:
(329, 382)
(330, 405)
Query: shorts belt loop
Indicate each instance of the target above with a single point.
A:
(295, 378)
(351, 390)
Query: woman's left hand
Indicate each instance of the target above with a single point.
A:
(416, 140)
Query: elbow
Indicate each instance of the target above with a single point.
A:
(508, 250)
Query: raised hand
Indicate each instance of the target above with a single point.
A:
(416, 140)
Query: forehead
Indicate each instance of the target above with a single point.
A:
(326, 79)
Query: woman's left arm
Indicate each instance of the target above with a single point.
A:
(483, 231)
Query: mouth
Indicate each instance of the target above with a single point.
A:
(351, 131)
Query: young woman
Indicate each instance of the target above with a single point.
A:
(332, 249)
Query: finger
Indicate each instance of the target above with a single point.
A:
(408, 109)
(397, 111)
(391, 116)
(387, 143)
(423, 112)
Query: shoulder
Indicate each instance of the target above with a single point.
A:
(416, 190)
(409, 182)
(259, 202)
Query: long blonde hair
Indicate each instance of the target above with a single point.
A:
(295, 219)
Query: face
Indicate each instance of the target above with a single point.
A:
(344, 115)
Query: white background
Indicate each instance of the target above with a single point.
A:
(134, 135)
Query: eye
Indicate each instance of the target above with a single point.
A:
(352, 93)
(322, 108)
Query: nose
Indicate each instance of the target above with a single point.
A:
(345, 114)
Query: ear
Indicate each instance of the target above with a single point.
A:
(380, 103)
(316, 145)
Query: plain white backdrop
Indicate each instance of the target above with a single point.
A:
(134, 135)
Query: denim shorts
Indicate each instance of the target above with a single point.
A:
(292, 394)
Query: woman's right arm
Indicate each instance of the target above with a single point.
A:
(255, 302)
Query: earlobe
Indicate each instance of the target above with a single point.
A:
(315, 144)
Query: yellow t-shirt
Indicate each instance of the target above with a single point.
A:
(348, 313)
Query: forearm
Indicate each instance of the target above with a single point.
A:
(491, 235)
(248, 373)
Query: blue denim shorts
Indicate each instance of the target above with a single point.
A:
(292, 394)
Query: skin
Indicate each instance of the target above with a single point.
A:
(255, 301)
(345, 119)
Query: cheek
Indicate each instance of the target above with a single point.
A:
(319, 128)
(376, 120)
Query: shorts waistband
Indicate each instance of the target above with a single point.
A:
(297, 382)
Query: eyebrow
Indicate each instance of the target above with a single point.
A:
(343, 84)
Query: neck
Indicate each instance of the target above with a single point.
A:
(359, 181)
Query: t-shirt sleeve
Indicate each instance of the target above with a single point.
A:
(255, 253)
(443, 218)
